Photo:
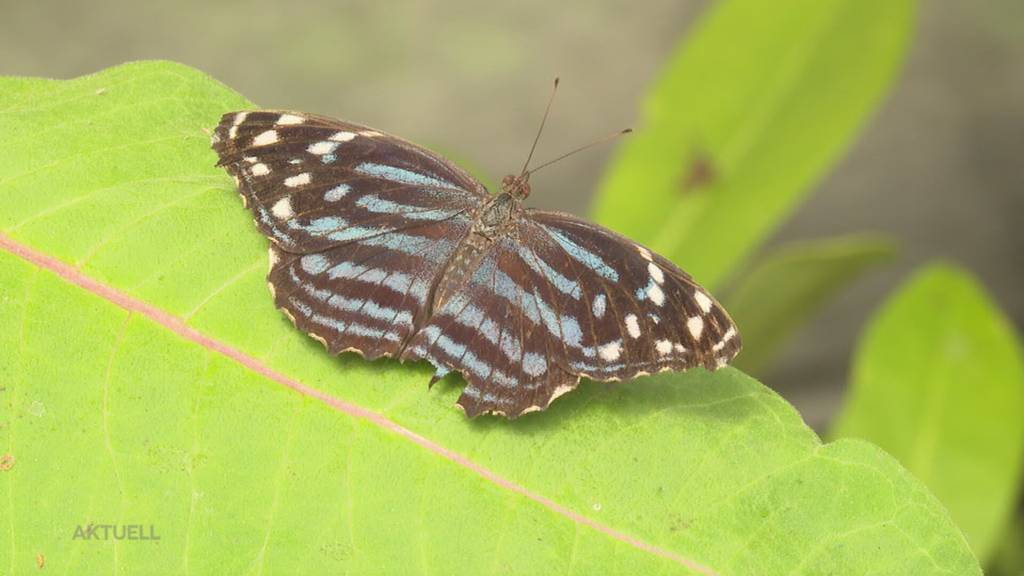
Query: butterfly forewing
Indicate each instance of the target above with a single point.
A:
(313, 183)
(363, 223)
(643, 314)
(382, 247)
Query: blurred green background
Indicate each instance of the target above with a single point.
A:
(938, 167)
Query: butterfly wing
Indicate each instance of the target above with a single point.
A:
(314, 182)
(362, 223)
(492, 331)
(643, 314)
(365, 225)
(562, 298)
(367, 295)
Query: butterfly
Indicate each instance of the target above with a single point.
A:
(383, 248)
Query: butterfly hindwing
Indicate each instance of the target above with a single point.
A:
(368, 294)
(489, 331)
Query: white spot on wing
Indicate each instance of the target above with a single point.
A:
(289, 120)
(725, 339)
(260, 169)
(283, 209)
(370, 133)
(663, 347)
(274, 257)
(645, 253)
(632, 326)
(268, 137)
(324, 147)
(656, 273)
(239, 118)
(297, 180)
(679, 347)
(342, 136)
(696, 326)
(656, 295)
(610, 352)
(702, 300)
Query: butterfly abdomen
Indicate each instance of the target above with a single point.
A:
(460, 267)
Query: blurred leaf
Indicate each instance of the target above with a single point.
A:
(151, 381)
(753, 109)
(1008, 558)
(788, 285)
(939, 383)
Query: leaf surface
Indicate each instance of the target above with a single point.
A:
(938, 381)
(149, 380)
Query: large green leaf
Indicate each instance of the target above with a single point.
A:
(789, 284)
(150, 381)
(939, 383)
(753, 108)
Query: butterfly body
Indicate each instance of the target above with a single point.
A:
(498, 216)
(386, 249)
(463, 262)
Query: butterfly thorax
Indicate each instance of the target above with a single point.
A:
(495, 219)
(500, 213)
(497, 216)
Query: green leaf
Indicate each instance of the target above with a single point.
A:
(752, 110)
(939, 383)
(1007, 558)
(150, 381)
(788, 285)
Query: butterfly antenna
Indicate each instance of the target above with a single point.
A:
(607, 138)
(536, 139)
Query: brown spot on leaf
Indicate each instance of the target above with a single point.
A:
(40, 560)
(700, 173)
(6, 462)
